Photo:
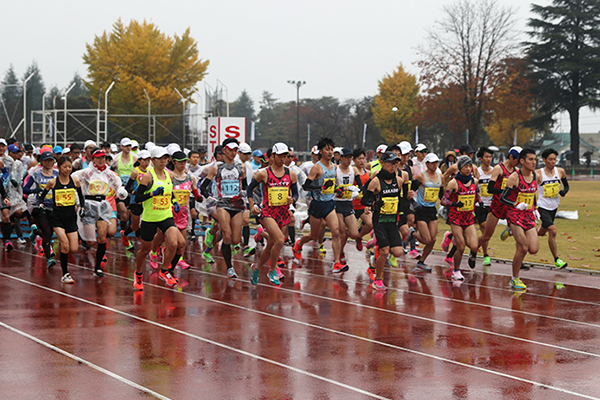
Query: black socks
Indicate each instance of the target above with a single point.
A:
(64, 260)
(226, 250)
(100, 254)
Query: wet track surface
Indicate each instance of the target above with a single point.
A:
(319, 336)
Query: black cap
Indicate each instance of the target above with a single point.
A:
(47, 155)
(202, 149)
(389, 156)
(179, 156)
(219, 149)
(466, 149)
(269, 152)
(346, 152)
(28, 147)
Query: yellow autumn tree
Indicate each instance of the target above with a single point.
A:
(137, 57)
(395, 108)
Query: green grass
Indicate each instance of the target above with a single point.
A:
(578, 241)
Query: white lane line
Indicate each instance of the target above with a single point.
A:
(415, 352)
(83, 361)
(209, 341)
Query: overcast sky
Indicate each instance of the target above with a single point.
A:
(340, 48)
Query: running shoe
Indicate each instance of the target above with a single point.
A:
(138, 281)
(32, 234)
(255, 274)
(525, 267)
(98, 273)
(235, 249)
(404, 248)
(378, 285)
(449, 260)
(338, 267)
(104, 258)
(66, 278)
(487, 261)
(372, 261)
(182, 264)
(371, 272)
(208, 239)
(411, 231)
(20, 240)
(167, 277)
(304, 222)
(52, 250)
(505, 234)
(51, 262)
(231, 273)
(297, 250)
(457, 276)
(280, 274)
(208, 257)
(517, 284)
(343, 257)
(370, 244)
(393, 261)
(560, 264)
(154, 258)
(259, 230)
(8, 246)
(446, 242)
(124, 239)
(472, 260)
(273, 278)
(413, 253)
(322, 249)
(423, 267)
(249, 251)
(359, 244)
(38, 245)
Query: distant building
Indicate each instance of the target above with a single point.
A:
(589, 146)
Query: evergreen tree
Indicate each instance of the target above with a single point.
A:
(243, 106)
(11, 110)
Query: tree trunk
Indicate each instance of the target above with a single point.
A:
(574, 117)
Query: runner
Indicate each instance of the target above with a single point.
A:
(375, 166)
(482, 208)
(5, 209)
(244, 156)
(301, 177)
(460, 198)
(345, 192)
(549, 179)
(15, 190)
(123, 165)
(383, 193)
(279, 192)
(132, 184)
(429, 188)
(97, 181)
(519, 198)
(321, 181)
(63, 217)
(155, 192)
(361, 212)
(230, 194)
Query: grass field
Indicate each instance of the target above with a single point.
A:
(578, 240)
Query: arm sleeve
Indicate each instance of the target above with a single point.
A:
(27, 188)
(445, 200)
(250, 189)
(81, 197)
(565, 189)
(368, 198)
(492, 188)
(441, 193)
(140, 196)
(44, 193)
(244, 184)
(294, 187)
(2, 191)
(129, 186)
(204, 188)
(504, 197)
(309, 186)
(415, 185)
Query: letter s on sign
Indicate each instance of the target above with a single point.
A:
(232, 131)
(213, 131)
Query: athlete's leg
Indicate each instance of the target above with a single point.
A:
(490, 226)
(459, 243)
(332, 223)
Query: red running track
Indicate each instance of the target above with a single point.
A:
(319, 336)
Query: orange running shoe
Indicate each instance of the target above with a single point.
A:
(138, 281)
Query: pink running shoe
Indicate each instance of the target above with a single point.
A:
(259, 230)
(449, 261)
(154, 261)
(413, 253)
(38, 244)
(280, 274)
(182, 264)
(370, 244)
(378, 285)
(446, 242)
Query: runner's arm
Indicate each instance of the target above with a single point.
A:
(510, 186)
(563, 180)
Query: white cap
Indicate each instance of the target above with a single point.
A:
(143, 154)
(405, 147)
(381, 148)
(158, 152)
(125, 142)
(66, 150)
(337, 150)
(515, 151)
(315, 150)
(113, 147)
(245, 148)
(149, 146)
(3, 141)
(89, 143)
(134, 143)
(431, 157)
(280, 148)
(186, 151)
(172, 148)
(420, 147)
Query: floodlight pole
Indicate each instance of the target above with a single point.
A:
(65, 111)
(183, 100)
(226, 96)
(149, 109)
(25, 106)
(298, 84)
(106, 110)
(43, 115)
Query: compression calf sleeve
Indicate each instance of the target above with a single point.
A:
(100, 254)
(246, 235)
(64, 260)
(226, 250)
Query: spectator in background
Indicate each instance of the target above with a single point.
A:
(419, 159)
(256, 155)
(307, 166)
(202, 153)
(449, 159)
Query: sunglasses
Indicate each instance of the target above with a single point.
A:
(290, 156)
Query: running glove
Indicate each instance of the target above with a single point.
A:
(158, 191)
(176, 207)
(522, 206)
(81, 212)
(458, 204)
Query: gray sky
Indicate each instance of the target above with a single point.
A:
(340, 48)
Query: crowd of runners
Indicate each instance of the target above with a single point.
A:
(156, 197)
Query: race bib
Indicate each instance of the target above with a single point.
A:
(468, 201)
(278, 196)
(98, 188)
(331, 188)
(230, 187)
(64, 197)
(431, 195)
(182, 197)
(551, 190)
(346, 194)
(161, 203)
(409, 185)
(390, 205)
(484, 190)
(527, 198)
(504, 183)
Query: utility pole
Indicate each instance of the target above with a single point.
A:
(298, 84)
